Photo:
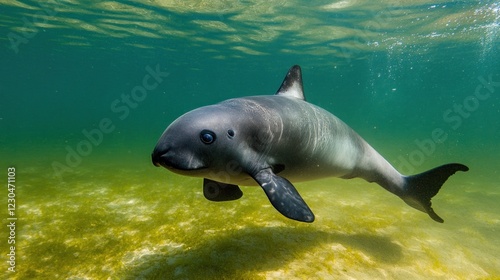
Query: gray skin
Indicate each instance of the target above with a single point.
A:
(274, 140)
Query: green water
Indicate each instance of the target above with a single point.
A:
(419, 80)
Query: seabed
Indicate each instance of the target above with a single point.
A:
(135, 224)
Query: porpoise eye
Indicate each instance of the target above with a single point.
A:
(207, 136)
(230, 133)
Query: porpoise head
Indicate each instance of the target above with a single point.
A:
(204, 142)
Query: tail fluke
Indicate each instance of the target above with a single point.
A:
(420, 188)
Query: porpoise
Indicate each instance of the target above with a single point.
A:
(274, 140)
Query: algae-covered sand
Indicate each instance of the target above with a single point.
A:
(108, 221)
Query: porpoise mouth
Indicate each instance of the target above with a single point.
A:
(156, 158)
(173, 163)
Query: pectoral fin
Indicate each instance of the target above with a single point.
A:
(216, 191)
(283, 196)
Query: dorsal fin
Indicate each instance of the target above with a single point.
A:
(292, 84)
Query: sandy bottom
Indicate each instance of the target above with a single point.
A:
(104, 223)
